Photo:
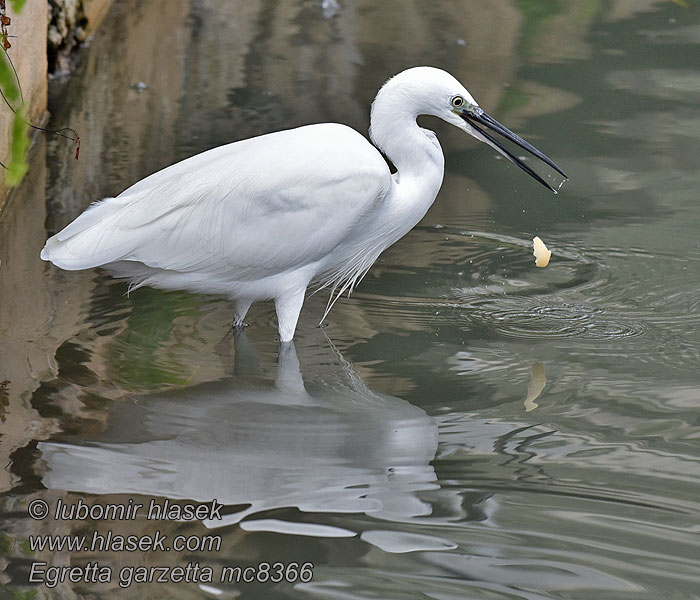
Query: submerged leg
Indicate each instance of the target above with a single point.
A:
(288, 308)
(245, 362)
(288, 377)
(242, 307)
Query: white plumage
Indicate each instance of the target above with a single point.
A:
(266, 217)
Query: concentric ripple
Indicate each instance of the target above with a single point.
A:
(528, 318)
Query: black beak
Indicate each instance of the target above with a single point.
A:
(479, 116)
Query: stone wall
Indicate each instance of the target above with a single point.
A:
(77, 18)
(28, 54)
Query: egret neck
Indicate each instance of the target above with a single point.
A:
(413, 150)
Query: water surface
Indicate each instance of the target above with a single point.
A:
(465, 425)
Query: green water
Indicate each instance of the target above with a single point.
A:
(465, 425)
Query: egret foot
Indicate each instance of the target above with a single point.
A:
(242, 307)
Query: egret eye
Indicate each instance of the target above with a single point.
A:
(457, 101)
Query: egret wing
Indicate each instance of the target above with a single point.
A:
(242, 212)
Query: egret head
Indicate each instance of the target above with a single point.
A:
(431, 91)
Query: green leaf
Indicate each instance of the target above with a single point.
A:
(17, 5)
(8, 82)
(17, 165)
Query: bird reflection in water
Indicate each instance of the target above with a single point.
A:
(330, 445)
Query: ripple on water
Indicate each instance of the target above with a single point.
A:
(586, 293)
(542, 318)
(566, 300)
(630, 302)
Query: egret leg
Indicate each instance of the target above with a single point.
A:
(288, 308)
(242, 307)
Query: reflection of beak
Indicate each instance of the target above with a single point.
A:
(474, 115)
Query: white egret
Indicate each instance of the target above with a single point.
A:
(268, 217)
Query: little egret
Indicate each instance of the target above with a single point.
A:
(268, 217)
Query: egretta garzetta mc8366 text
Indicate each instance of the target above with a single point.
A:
(267, 217)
